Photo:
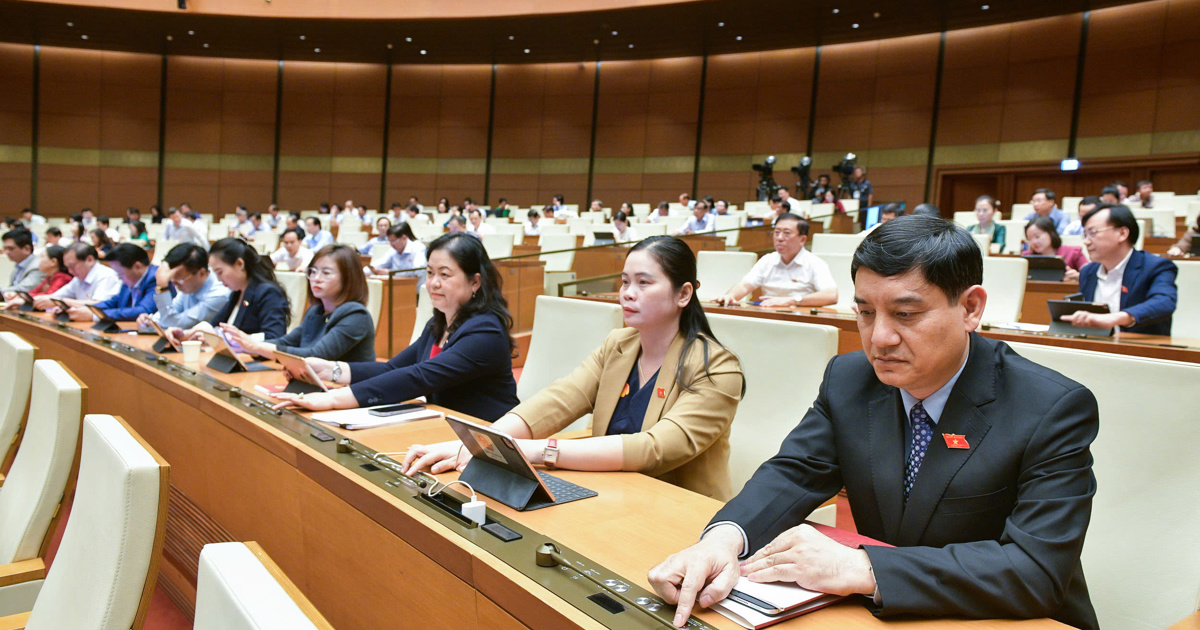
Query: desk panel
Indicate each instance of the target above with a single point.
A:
(364, 555)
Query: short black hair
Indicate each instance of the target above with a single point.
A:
(297, 231)
(1119, 216)
(891, 208)
(1047, 192)
(801, 224)
(1046, 224)
(946, 254)
(190, 255)
(316, 221)
(83, 250)
(402, 229)
(103, 220)
(1090, 200)
(927, 209)
(127, 255)
(20, 236)
(533, 214)
(1110, 190)
(256, 215)
(1144, 182)
(53, 231)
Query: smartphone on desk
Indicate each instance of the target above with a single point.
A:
(392, 410)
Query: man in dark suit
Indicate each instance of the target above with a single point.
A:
(971, 460)
(1139, 288)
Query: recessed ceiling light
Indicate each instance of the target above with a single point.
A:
(511, 37)
(631, 45)
(191, 32)
(422, 52)
(302, 38)
(526, 51)
(71, 24)
(170, 38)
(855, 25)
(739, 38)
(316, 50)
(720, 25)
(206, 44)
(389, 46)
(986, 7)
(408, 39)
(614, 33)
(877, 15)
(83, 36)
(835, 11)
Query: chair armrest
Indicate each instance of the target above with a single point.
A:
(20, 572)
(2, 478)
(14, 622)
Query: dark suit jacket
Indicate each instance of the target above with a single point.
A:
(471, 375)
(264, 309)
(991, 531)
(1148, 291)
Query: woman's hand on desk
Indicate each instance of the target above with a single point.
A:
(1071, 275)
(248, 343)
(436, 458)
(323, 401)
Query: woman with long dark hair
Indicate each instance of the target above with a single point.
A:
(257, 304)
(1043, 240)
(663, 391)
(463, 359)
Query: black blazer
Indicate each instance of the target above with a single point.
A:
(264, 309)
(471, 375)
(991, 531)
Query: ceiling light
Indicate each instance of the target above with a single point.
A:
(876, 15)
(720, 25)
(614, 33)
(511, 37)
(191, 32)
(71, 24)
(526, 51)
(389, 46)
(83, 36)
(986, 7)
(316, 50)
(835, 11)
(631, 45)
(855, 25)
(206, 44)
(739, 38)
(170, 38)
(408, 39)
(422, 52)
(302, 38)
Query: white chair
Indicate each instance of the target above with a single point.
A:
(984, 241)
(1014, 235)
(824, 243)
(16, 355)
(727, 226)
(767, 350)
(1141, 556)
(1186, 321)
(548, 228)
(7, 266)
(675, 223)
(1021, 210)
(239, 587)
(266, 241)
(565, 332)
(515, 231)
(107, 564)
(161, 247)
(352, 235)
(720, 271)
(646, 230)
(424, 313)
(641, 209)
(839, 267)
(295, 285)
(498, 245)
(374, 299)
(562, 260)
(1163, 221)
(32, 495)
(965, 219)
(1004, 280)
(1071, 204)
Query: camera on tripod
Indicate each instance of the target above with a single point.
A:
(803, 177)
(766, 178)
(845, 170)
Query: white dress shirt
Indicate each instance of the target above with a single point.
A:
(807, 273)
(484, 228)
(100, 284)
(628, 236)
(299, 262)
(1108, 284)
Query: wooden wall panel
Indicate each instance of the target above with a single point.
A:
(16, 127)
(69, 132)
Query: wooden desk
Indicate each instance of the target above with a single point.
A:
(1132, 344)
(522, 281)
(397, 315)
(365, 556)
(1033, 307)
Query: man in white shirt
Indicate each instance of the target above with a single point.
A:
(242, 224)
(29, 218)
(702, 220)
(789, 276)
(103, 223)
(415, 217)
(317, 237)
(273, 220)
(476, 225)
(88, 219)
(93, 281)
(532, 228)
(292, 254)
(660, 213)
(180, 230)
(407, 257)
(793, 204)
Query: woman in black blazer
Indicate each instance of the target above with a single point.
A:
(256, 301)
(463, 359)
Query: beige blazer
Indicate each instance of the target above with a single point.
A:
(685, 435)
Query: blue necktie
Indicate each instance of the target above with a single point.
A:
(922, 432)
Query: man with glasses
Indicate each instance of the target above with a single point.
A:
(136, 295)
(407, 257)
(198, 295)
(789, 276)
(292, 255)
(1139, 288)
(1044, 206)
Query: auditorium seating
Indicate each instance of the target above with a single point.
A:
(839, 267)
(295, 285)
(239, 587)
(498, 245)
(783, 363)
(33, 492)
(565, 332)
(16, 355)
(562, 260)
(424, 313)
(1186, 322)
(1142, 555)
(984, 241)
(161, 247)
(720, 271)
(825, 243)
(1004, 280)
(7, 266)
(107, 564)
(1014, 235)
(374, 299)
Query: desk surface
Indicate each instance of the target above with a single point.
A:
(361, 553)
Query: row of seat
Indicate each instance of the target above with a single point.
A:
(1141, 555)
(106, 565)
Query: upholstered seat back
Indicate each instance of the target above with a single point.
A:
(101, 578)
(424, 313)
(16, 361)
(827, 243)
(235, 591)
(295, 285)
(718, 272)
(34, 487)
(1004, 281)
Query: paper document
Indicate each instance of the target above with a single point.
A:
(362, 419)
(792, 600)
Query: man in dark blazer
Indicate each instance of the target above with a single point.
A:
(1139, 288)
(971, 460)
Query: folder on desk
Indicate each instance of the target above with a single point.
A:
(791, 600)
(361, 418)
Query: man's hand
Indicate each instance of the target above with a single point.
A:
(701, 574)
(778, 302)
(1085, 319)
(42, 302)
(164, 275)
(80, 314)
(812, 560)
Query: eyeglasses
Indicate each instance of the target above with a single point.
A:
(323, 272)
(1091, 234)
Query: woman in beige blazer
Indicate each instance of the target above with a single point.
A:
(663, 391)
